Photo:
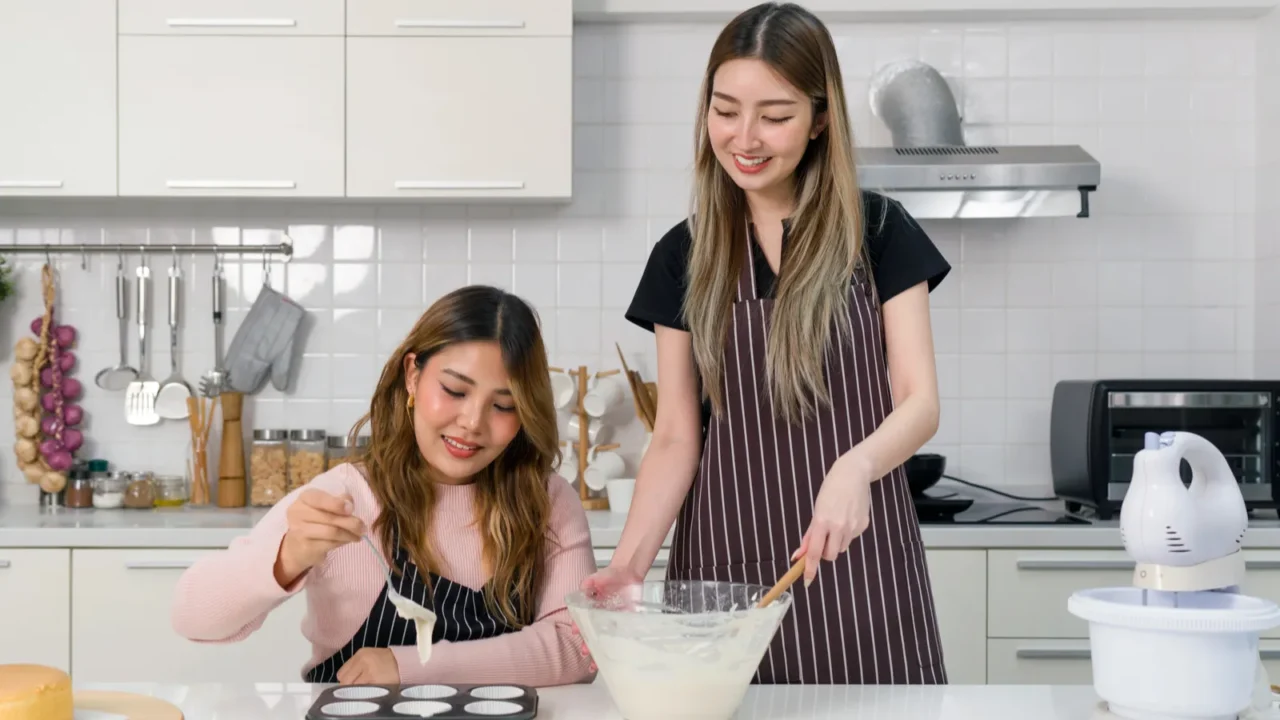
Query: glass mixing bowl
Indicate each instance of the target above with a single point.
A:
(675, 649)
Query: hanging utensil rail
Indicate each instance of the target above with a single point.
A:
(283, 249)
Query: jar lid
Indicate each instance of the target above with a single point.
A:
(79, 471)
(341, 441)
(307, 435)
(270, 434)
(98, 466)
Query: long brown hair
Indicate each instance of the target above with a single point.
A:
(512, 503)
(824, 241)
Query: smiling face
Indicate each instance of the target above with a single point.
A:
(759, 125)
(464, 413)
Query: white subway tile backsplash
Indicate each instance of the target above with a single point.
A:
(1165, 279)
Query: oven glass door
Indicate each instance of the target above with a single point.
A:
(1238, 423)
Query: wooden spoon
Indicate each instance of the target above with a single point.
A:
(787, 580)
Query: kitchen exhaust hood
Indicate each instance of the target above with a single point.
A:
(983, 181)
(935, 174)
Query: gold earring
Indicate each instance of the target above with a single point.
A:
(409, 407)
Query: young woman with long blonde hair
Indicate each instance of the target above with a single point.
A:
(796, 307)
(457, 492)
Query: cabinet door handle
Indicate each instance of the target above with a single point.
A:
(22, 184)
(4, 564)
(461, 24)
(1262, 564)
(459, 185)
(1074, 564)
(158, 564)
(1269, 654)
(231, 184)
(1053, 653)
(232, 22)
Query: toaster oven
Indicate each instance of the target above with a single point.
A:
(1097, 426)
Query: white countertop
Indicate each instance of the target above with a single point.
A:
(273, 701)
(211, 527)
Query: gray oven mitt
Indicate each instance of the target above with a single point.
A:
(263, 345)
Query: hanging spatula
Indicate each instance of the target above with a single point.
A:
(140, 399)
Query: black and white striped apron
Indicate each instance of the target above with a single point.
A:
(461, 615)
(869, 616)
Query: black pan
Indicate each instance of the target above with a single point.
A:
(923, 471)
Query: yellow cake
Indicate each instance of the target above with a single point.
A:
(35, 692)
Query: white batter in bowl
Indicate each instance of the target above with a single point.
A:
(677, 650)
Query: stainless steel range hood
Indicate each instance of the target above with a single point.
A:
(983, 181)
(934, 173)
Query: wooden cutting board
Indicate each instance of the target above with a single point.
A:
(130, 705)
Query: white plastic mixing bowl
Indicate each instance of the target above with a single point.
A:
(678, 650)
(1154, 660)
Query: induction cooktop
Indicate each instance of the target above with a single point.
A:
(967, 511)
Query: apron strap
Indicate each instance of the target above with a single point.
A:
(747, 270)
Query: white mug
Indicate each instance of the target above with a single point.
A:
(594, 427)
(568, 465)
(564, 389)
(603, 467)
(603, 395)
(620, 492)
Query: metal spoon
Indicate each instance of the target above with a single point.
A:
(171, 402)
(118, 377)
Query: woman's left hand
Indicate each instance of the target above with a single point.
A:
(370, 666)
(840, 514)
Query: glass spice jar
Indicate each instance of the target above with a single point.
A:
(79, 492)
(340, 449)
(171, 490)
(268, 467)
(306, 456)
(141, 492)
(108, 489)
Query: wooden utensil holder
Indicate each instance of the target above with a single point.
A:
(591, 499)
(231, 480)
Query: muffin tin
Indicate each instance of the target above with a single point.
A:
(439, 702)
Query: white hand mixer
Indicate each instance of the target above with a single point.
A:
(1182, 642)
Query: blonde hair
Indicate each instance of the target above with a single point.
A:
(825, 237)
(513, 505)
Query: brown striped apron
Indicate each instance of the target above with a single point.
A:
(868, 618)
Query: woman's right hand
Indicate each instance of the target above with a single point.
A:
(610, 580)
(317, 523)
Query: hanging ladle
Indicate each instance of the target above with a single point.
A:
(118, 377)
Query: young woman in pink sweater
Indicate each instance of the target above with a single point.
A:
(456, 490)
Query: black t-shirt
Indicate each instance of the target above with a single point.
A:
(900, 252)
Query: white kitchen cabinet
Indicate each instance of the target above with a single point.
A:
(58, 93)
(122, 633)
(35, 600)
(1029, 589)
(460, 117)
(231, 116)
(449, 17)
(1039, 662)
(232, 17)
(958, 579)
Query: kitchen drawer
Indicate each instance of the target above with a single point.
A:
(1028, 589)
(1039, 662)
(1068, 662)
(35, 607)
(231, 17)
(231, 116)
(657, 572)
(449, 17)
(121, 631)
(433, 117)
